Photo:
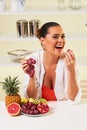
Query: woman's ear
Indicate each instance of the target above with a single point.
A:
(42, 41)
(43, 46)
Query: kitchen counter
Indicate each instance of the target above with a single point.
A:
(62, 116)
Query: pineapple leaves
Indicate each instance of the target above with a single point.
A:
(11, 85)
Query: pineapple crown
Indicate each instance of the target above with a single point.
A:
(10, 85)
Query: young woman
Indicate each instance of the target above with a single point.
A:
(51, 73)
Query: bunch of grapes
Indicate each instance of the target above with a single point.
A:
(30, 69)
(29, 108)
(33, 109)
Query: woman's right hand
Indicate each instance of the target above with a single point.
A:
(28, 66)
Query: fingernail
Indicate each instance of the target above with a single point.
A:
(68, 50)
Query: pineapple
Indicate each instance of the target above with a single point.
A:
(10, 85)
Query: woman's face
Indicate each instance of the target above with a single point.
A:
(54, 41)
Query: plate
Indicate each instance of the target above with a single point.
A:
(37, 115)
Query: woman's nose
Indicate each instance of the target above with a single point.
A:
(60, 39)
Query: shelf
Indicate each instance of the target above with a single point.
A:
(15, 38)
(46, 10)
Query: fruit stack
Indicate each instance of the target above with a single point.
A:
(35, 106)
(28, 106)
(15, 104)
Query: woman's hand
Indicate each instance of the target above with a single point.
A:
(70, 60)
(28, 66)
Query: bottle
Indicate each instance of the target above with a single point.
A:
(18, 5)
(2, 5)
(13, 5)
(61, 4)
(75, 4)
(21, 5)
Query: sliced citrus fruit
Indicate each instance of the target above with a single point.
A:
(14, 109)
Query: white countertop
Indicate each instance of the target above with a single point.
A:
(63, 116)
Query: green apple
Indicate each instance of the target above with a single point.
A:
(43, 100)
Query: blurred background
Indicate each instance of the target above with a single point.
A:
(72, 17)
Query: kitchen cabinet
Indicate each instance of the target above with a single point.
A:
(73, 22)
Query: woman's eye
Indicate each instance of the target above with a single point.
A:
(63, 36)
(55, 37)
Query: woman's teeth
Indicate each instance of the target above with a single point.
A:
(59, 47)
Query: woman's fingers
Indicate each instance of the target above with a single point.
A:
(70, 59)
(70, 54)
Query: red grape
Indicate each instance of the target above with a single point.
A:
(30, 69)
(32, 108)
(34, 61)
(31, 61)
(36, 111)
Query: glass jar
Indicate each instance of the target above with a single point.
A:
(61, 4)
(2, 5)
(33, 27)
(18, 5)
(75, 4)
(22, 28)
(21, 5)
(13, 5)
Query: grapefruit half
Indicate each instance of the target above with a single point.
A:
(14, 109)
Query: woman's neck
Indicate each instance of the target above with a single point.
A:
(50, 60)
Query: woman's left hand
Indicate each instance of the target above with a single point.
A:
(70, 60)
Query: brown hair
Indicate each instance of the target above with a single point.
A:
(44, 29)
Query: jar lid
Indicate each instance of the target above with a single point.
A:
(22, 22)
(36, 21)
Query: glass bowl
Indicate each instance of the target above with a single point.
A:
(18, 55)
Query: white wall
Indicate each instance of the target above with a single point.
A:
(73, 24)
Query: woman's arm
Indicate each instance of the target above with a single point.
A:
(32, 88)
(28, 68)
(72, 88)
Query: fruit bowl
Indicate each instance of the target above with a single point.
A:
(18, 55)
(36, 115)
(35, 107)
(35, 110)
